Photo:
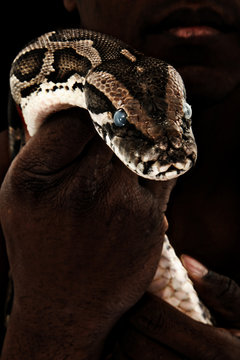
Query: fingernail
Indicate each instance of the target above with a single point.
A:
(193, 267)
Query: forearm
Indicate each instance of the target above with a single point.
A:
(4, 154)
(58, 335)
(3, 285)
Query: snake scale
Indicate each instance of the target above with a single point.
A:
(137, 105)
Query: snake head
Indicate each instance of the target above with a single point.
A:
(137, 103)
(139, 108)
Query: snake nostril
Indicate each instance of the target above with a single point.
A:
(155, 132)
(165, 138)
(163, 143)
(176, 141)
(174, 135)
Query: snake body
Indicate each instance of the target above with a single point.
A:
(137, 105)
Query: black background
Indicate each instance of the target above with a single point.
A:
(21, 22)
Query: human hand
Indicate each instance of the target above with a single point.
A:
(83, 235)
(155, 330)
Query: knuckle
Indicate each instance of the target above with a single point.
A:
(26, 181)
(224, 286)
(229, 290)
(224, 298)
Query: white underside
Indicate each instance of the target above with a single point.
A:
(48, 101)
(171, 283)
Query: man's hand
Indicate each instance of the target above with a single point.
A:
(83, 235)
(156, 330)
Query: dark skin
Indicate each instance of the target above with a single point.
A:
(61, 189)
(88, 198)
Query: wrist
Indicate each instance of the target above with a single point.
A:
(42, 332)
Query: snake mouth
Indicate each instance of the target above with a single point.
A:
(155, 171)
(175, 170)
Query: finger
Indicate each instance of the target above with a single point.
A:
(166, 325)
(218, 292)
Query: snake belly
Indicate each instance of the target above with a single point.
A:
(137, 105)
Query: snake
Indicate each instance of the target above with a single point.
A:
(138, 107)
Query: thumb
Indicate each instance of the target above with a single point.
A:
(220, 293)
(60, 139)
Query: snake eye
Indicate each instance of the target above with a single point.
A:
(120, 118)
(187, 111)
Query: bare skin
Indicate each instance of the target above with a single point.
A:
(74, 200)
(4, 159)
(108, 228)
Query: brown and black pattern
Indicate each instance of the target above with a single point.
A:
(102, 74)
